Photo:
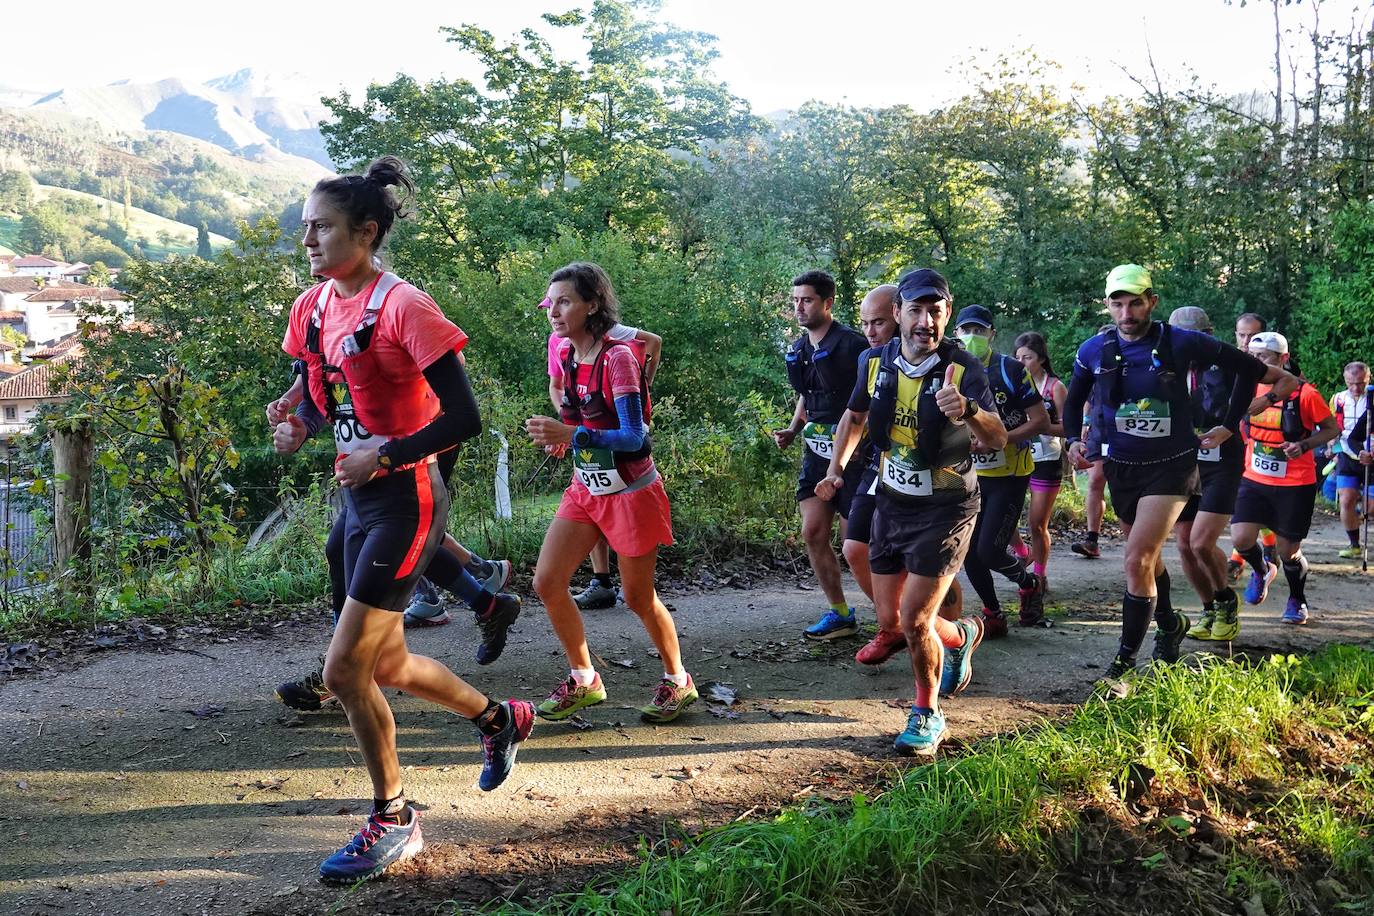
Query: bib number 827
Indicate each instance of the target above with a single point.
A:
(1144, 425)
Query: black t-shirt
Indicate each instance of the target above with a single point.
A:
(828, 371)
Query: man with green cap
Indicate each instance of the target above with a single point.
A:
(1138, 374)
(1208, 514)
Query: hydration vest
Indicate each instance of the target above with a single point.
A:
(593, 410)
(384, 403)
(1290, 428)
(821, 396)
(1109, 381)
(930, 420)
(1209, 395)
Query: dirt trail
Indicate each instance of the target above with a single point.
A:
(117, 798)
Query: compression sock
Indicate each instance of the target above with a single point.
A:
(1038, 569)
(445, 571)
(477, 567)
(1268, 538)
(1092, 537)
(491, 720)
(1165, 615)
(843, 609)
(1135, 623)
(1295, 571)
(1354, 535)
(1255, 557)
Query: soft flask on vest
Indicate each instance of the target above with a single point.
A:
(577, 410)
(817, 386)
(1109, 381)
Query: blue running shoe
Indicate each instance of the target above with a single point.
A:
(1295, 613)
(833, 626)
(426, 608)
(925, 729)
(958, 665)
(499, 577)
(1258, 589)
(498, 750)
(377, 847)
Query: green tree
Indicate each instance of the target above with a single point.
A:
(203, 249)
(16, 191)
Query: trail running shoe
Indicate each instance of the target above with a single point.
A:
(1258, 589)
(1032, 604)
(669, 701)
(925, 729)
(833, 625)
(1167, 642)
(958, 665)
(1119, 668)
(595, 597)
(1086, 548)
(880, 648)
(426, 608)
(1203, 628)
(375, 848)
(498, 750)
(1295, 613)
(495, 626)
(1271, 554)
(1226, 626)
(1234, 568)
(994, 624)
(1349, 553)
(308, 694)
(568, 697)
(499, 577)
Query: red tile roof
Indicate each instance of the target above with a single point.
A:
(64, 345)
(77, 294)
(35, 382)
(12, 368)
(20, 284)
(11, 315)
(35, 260)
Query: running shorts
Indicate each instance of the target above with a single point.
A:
(391, 527)
(925, 541)
(813, 468)
(1350, 474)
(1130, 483)
(1219, 485)
(1286, 511)
(634, 522)
(859, 522)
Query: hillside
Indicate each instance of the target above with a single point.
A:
(170, 175)
(162, 235)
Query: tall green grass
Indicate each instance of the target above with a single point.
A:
(939, 826)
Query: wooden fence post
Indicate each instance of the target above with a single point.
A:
(72, 446)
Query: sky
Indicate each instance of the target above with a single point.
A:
(774, 53)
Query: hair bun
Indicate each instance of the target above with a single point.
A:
(387, 172)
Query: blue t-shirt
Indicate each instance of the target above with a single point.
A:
(1144, 427)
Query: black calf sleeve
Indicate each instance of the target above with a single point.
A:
(1295, 571)
(1135, 623)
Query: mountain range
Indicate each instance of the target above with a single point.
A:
(250, 114)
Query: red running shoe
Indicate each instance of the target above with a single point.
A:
(880, 648)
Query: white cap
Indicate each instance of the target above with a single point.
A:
(1272, 341)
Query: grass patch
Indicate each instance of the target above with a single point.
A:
(1025, 811)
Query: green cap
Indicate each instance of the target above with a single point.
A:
(1128, 278)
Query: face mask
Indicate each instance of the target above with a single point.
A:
(977, 345)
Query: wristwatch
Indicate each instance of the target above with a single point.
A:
(971, 408)
(383, 459)
(1271, 397)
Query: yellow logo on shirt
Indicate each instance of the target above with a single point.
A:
(585, 455)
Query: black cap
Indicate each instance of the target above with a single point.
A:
(974, 314)
(919, 284)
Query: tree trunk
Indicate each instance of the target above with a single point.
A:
(71, 450)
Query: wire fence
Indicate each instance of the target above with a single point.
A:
(27, 542)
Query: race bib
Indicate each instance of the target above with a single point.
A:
(349, 433)
(905, 472)
(595, 467)
(820, 438)
(1047, 448)
(989, 461)
(1145, 419)
(1268, 461)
